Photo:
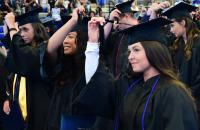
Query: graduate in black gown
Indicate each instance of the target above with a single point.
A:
(185, 50)
(151, 97)
(77, 96)
(115, 45)
(23, 59)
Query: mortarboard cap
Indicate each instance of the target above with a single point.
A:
(48, 21)
(125, 6)
(29, 17)
(148, 31)
(82, 23)
(65, 18)
(181, 9)
(82, 19)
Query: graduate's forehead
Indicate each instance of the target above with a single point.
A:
(26, 26)
(133, 45)
(74, 33)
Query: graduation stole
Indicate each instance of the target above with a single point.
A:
(19, 93)
(116, 121)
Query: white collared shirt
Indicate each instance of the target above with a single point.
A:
(91, 60)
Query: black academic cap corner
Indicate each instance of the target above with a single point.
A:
(82, 20)
(148, 31)
(47, 21)
(153, 24)
(125, 6)
(29, 17)
(66, 18)
(180, 9)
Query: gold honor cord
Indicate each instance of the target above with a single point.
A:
(22, 95)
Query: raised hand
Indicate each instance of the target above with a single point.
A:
(93, 28)
(10, 20)
(6, 107)
(77, 11)
(115, 15)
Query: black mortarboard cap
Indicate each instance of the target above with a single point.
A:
(181, 9)
(47, 21)
(148, 31)
(125, 6)
(65, 18)
(29, 17)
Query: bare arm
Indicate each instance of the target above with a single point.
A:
(92, 50)
(58, 37)
(10, 22)
(152, 11)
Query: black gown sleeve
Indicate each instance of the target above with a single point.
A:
(3, 95)
(195, 75)
(22, 58)
(178, 110)
(47, 70)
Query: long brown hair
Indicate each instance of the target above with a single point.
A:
(192, 31)
(40, 34)
(159, 57)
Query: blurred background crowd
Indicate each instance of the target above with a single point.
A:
(58, 9)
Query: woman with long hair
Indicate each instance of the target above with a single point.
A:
(78, 97)
(185, 49)
(151, 97)
(23, 60)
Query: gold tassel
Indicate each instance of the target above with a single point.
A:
(22, 95)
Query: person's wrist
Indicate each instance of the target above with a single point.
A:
(12, 29)
(74, 20)
(11, 24)
(111, 17)
(92, 40)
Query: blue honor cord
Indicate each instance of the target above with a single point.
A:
(116, 122)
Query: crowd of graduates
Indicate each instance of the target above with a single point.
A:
(65, 67)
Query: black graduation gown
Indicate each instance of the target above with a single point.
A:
(190, 70)
(3, 95)
(115, 53)
(94, 99)
(169, 108)
(25, 60)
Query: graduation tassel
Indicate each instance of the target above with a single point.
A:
(101, 38)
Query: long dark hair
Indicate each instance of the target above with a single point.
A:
(159, 57)
(73, 65)
(192, 31)
(40, 34)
